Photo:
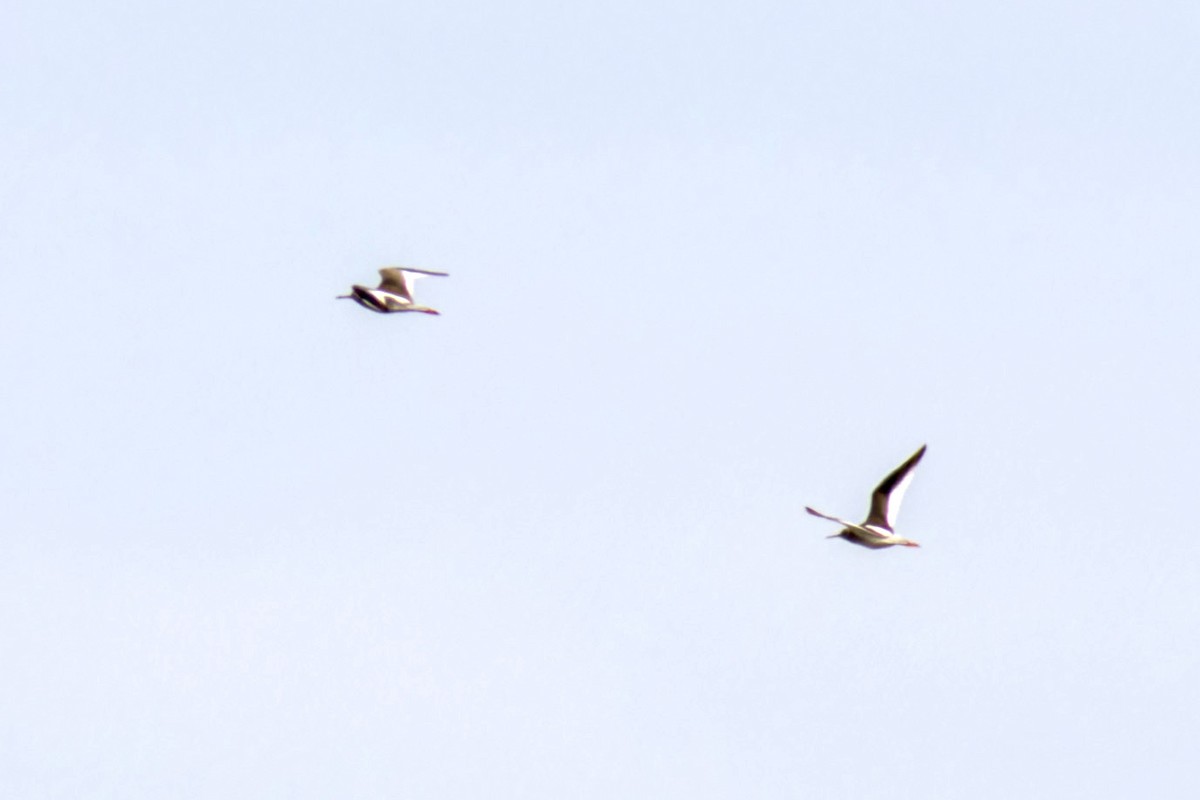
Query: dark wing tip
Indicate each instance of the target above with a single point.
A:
(905, 468)
(911, 461)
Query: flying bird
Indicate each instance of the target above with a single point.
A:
(876, 532)
(394, 292)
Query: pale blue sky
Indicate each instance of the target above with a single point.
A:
(709, 263)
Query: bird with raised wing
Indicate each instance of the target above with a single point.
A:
(876, 532)
(394, 292)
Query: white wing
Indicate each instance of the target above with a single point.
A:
(399, 280)
(889, 494)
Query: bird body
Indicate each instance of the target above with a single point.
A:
(876, 531)
(394, 293)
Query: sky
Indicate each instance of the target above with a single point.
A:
(709, 263)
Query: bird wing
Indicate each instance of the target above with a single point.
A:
(419, 272)
(885, 502)
(399, 280)
(396, 281)
(861, 529)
